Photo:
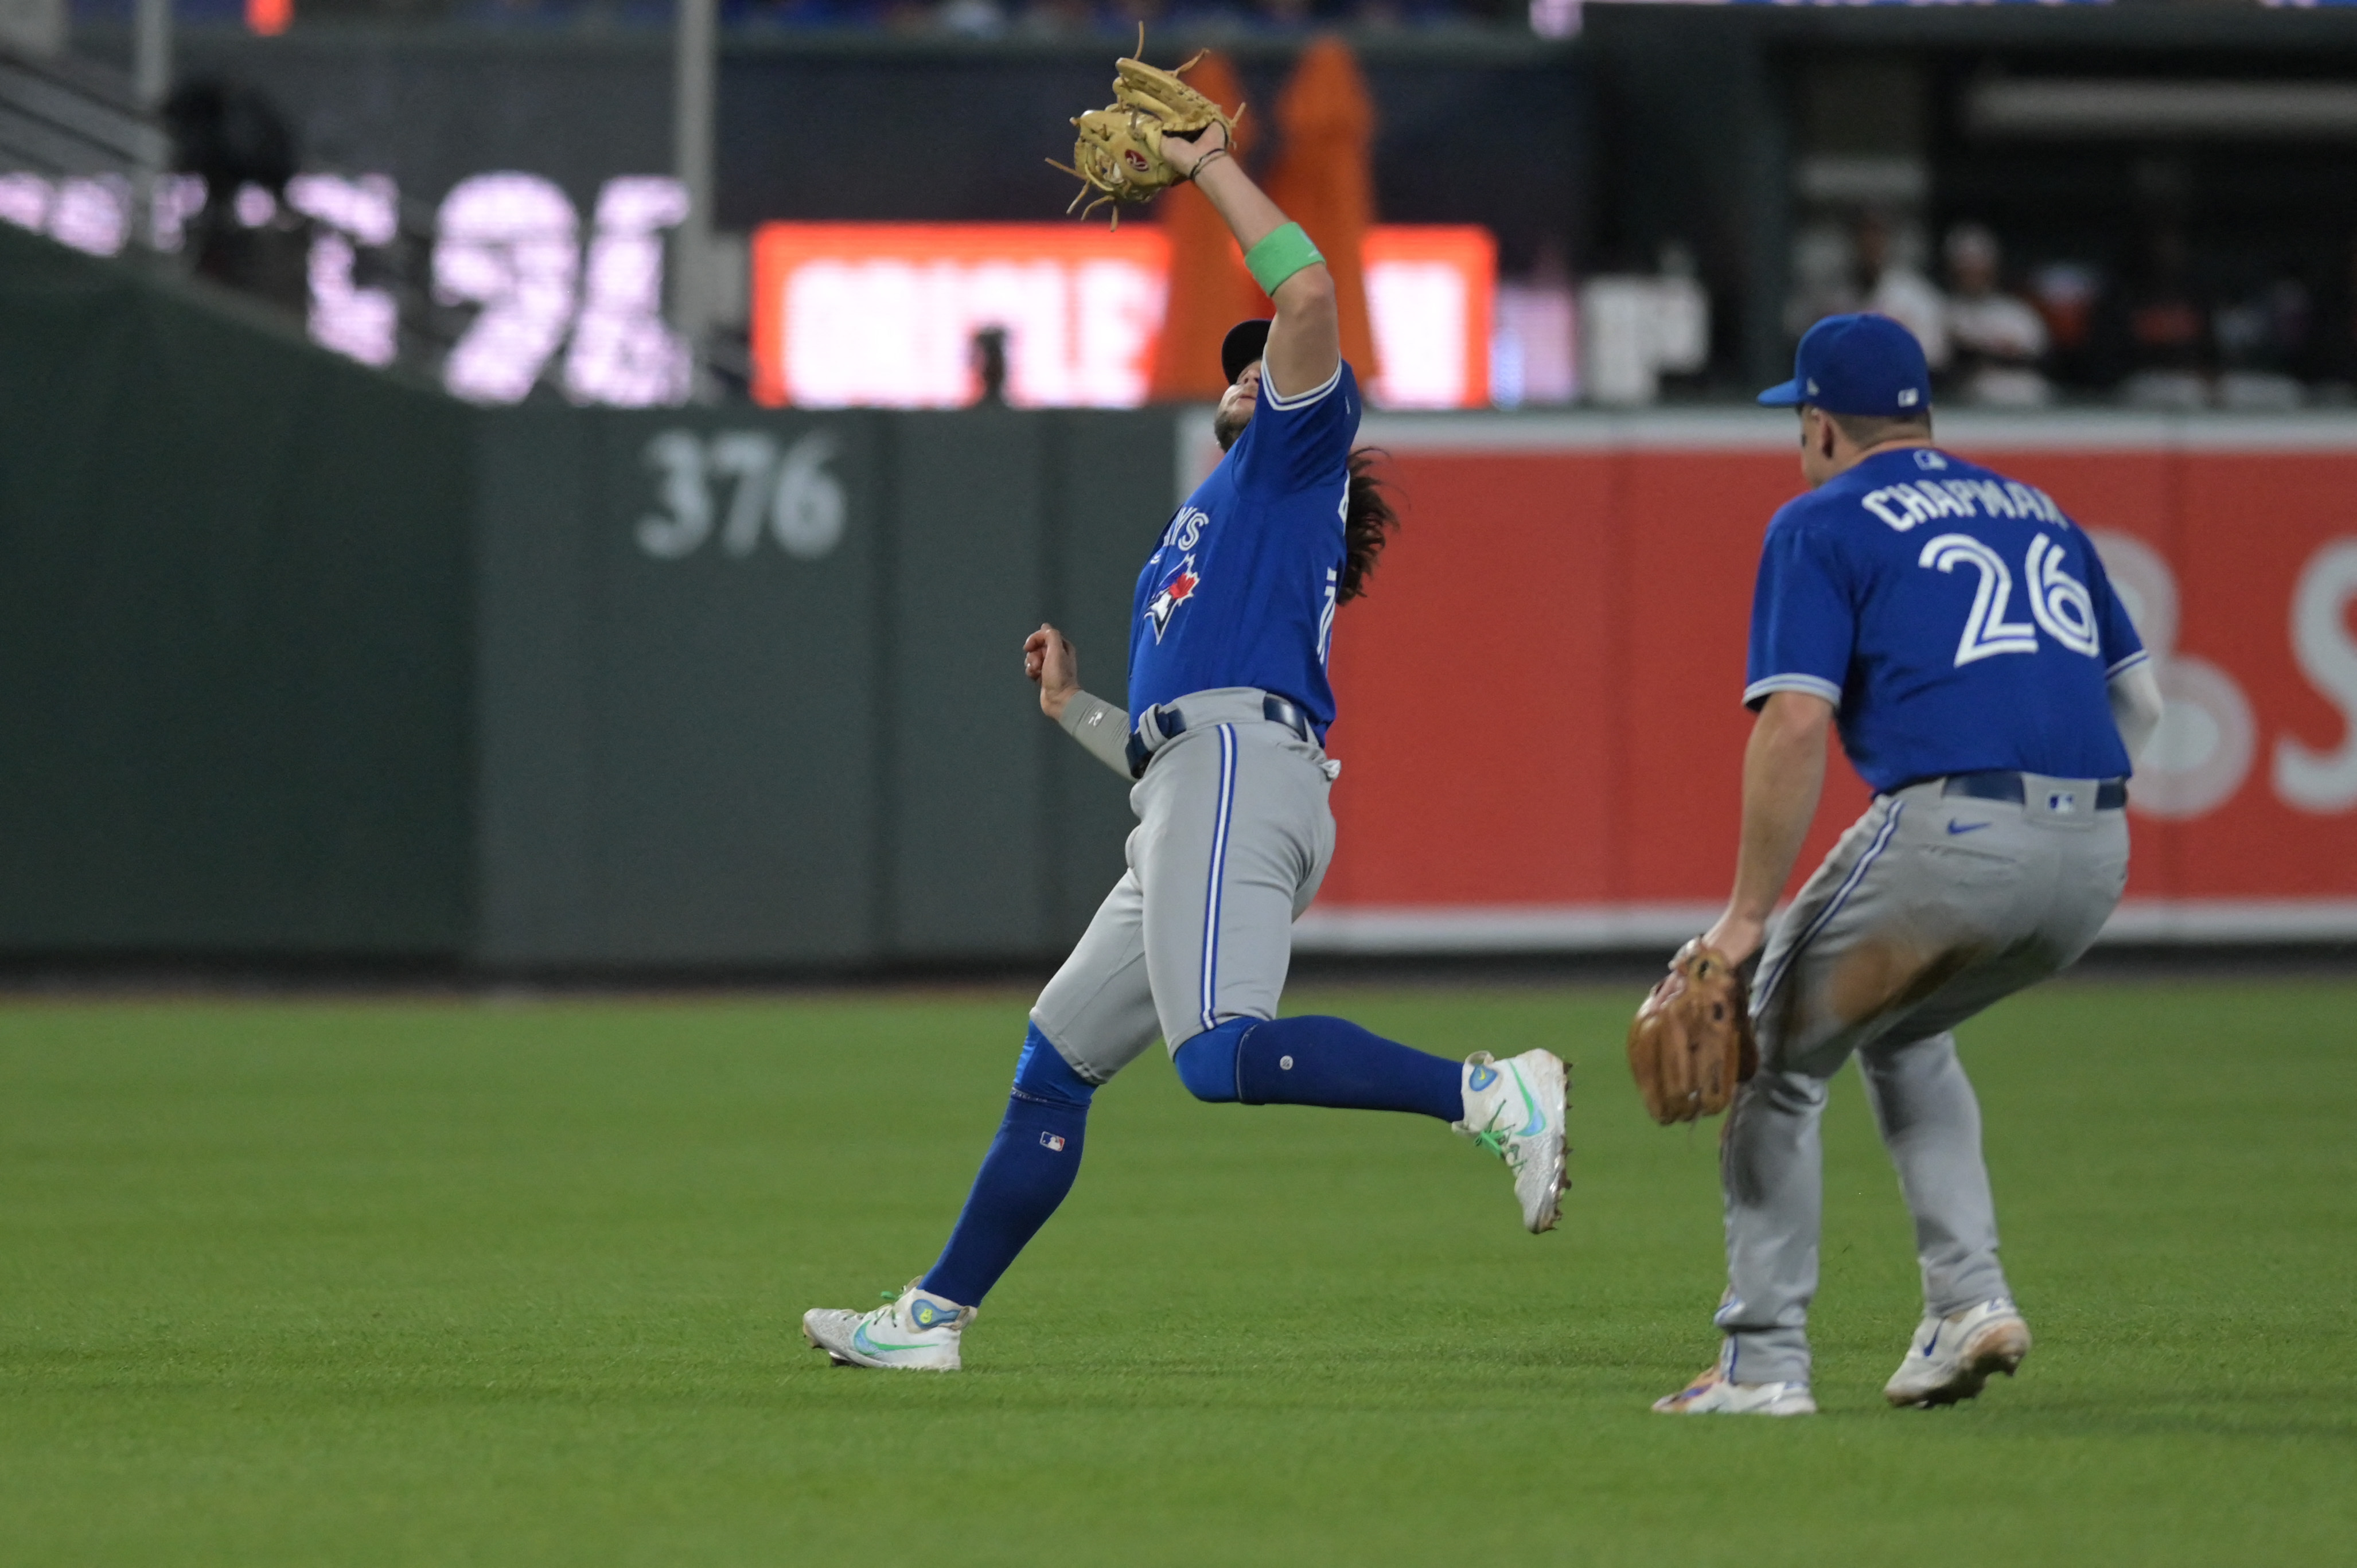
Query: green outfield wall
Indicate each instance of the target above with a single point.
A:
(749, 684)
(235, 631)
(297, 659)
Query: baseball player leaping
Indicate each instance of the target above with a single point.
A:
(1231, 628)
(1960, 631)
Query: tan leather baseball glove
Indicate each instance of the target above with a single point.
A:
(1118, 153)
(1692, 1042)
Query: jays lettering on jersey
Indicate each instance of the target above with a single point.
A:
(1239, 590)
(1956, 619)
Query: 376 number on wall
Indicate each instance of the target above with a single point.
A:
(742, 486)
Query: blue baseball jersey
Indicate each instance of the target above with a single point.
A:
(1240, 589)
(1956, 619)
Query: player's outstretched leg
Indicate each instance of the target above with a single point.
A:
(1029, 1168)
(1516, 1110)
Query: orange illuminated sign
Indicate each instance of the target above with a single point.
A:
(884, 315)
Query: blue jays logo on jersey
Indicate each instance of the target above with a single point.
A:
(1178, 587)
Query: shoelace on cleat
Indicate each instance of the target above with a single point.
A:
(1497, 1141)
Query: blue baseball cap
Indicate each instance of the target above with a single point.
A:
(1863, 364)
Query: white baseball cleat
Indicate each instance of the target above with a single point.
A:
(917, 1332)
(1952, 1357)
(1517, 1111)
(1713, 1393)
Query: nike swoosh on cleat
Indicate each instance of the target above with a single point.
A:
(1955, 827)
(866, 1346)
(1538, 1117)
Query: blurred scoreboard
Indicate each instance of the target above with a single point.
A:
(884, 315)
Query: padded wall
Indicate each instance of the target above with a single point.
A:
(234, 611)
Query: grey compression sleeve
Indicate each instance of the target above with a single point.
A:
(2136, 699)
(1101, 728)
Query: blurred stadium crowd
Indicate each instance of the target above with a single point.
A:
(2237, 329)
(948, 18)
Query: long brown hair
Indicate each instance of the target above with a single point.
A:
(1368, 520)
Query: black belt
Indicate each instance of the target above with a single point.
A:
(1172, 724)
(2110, 794)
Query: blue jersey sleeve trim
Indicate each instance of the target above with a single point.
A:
(1277, 400)
(1816, 686)
(2139, 657)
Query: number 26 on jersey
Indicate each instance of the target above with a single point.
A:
(2059, 603)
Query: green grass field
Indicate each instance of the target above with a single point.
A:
(517, 1283)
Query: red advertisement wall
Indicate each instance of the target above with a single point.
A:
(1541, 723)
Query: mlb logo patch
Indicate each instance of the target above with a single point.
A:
(1051, 1143)
(2061, 802)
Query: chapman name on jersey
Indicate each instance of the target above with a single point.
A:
(1956, 619)
(1239, 590)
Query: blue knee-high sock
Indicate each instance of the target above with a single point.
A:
(1319, 1061)
(1025, 1176)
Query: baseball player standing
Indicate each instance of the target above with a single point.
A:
(1960, 633)
(1231, 627)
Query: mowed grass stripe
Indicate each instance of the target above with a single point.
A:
(517, 1283)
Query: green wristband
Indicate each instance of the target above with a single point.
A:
(1278, 256)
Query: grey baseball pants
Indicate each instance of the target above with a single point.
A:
(1929, 910)
(1233, 836)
